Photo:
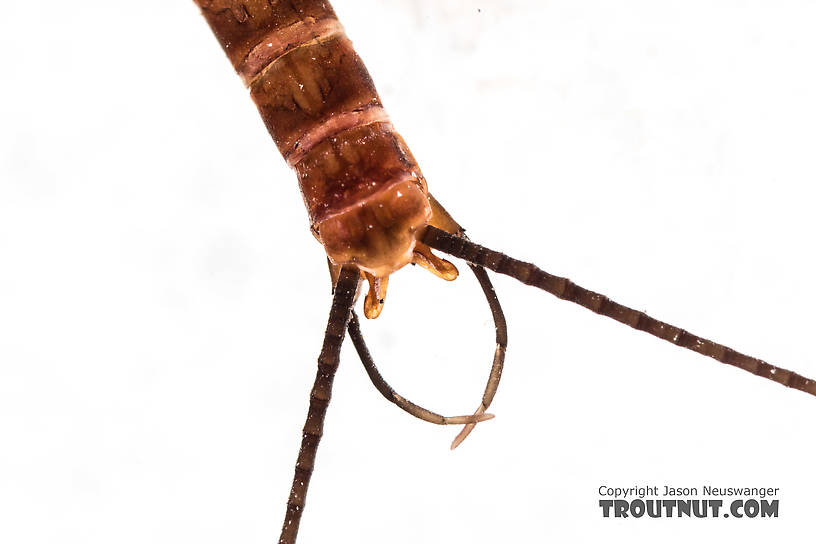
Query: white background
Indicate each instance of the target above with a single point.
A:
(162, 301)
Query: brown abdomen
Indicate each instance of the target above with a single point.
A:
(315, 97)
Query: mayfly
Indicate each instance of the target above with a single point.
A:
(370, 207)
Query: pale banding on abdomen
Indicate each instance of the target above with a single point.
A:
(332, 126)
(281, 41)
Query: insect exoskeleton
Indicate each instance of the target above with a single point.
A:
(368, 203)
(381, 235)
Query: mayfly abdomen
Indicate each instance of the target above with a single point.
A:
(365, 195)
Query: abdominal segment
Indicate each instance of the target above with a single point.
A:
(316, 98)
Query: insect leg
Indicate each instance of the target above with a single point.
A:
(327, 362)
(388, 392)
(565, 289)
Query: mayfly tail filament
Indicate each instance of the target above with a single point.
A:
(344, 293)
(565, 289)
(423, 413)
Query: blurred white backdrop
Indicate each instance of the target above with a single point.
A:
(162, 301)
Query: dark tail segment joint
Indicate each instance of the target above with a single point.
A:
(565, 289)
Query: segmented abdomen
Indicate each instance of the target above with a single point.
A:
(315, 97)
